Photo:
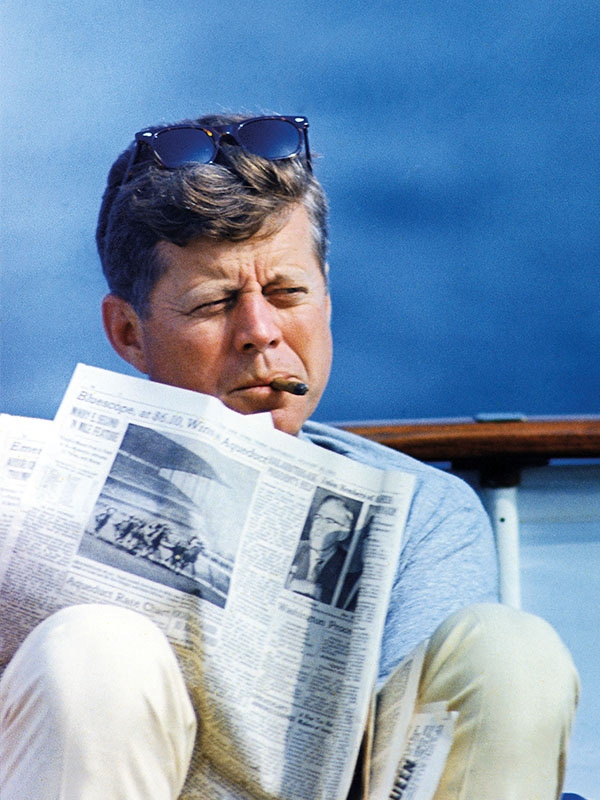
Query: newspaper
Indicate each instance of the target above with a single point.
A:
(164, 501)
(21, 442)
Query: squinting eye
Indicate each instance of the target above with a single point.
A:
(287, 294)
(214, 306)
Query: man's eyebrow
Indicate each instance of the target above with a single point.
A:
(296, 274)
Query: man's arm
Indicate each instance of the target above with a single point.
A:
(448, 562)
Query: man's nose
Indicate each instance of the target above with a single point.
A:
(256, 323)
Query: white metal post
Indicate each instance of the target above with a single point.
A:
(503, 511)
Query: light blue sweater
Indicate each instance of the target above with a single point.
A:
(448, 558)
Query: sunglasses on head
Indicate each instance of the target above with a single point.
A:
(273, 138)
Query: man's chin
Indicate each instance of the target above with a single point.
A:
(287, 421)
(285, 418)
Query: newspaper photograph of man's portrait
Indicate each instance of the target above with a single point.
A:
(328, 562)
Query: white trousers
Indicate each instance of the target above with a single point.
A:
(515, 687)
(93, 706)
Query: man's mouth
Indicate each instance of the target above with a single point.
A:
(275, 383)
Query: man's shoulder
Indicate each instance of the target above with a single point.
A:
(430, 480)
(364, 450)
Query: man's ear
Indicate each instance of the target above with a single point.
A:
(124, 330)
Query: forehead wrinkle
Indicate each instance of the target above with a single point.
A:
(235, 264)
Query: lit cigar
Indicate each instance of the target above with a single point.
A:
(291, 386)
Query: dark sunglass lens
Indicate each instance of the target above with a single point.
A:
(270, 138)
(179, 146)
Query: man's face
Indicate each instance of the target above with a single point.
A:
(228, 317)
(330, 524)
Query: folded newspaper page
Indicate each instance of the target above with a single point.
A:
(394, 707)
(410, 744)
(424, 757)
(21, 442)
(405, 745)
(166, 502)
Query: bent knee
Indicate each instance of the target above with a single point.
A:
(91, 645)
(503, 652)
(93, 680)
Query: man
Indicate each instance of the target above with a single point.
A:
(324, 559)
(212, 236)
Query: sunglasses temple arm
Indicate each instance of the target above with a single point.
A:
(132, 159)
(307, 149)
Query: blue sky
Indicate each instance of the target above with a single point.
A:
(458, 147)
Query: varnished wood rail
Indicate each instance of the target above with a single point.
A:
(524, 440)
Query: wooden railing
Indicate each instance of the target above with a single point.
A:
(496, 446)
(502, 437)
